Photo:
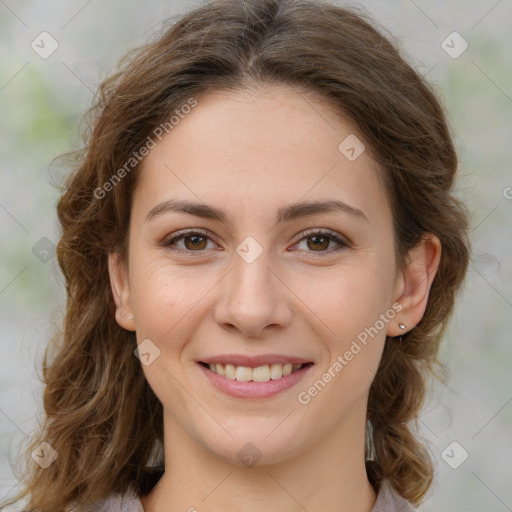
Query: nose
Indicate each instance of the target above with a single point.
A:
(253, 298)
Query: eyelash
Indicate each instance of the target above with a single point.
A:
(167, 243)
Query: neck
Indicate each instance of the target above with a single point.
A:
(329, 476)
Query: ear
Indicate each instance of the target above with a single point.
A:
(121, 291)
(413, 285)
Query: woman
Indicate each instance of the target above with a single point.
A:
(262, 251)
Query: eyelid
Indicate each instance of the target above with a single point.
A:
(324, 231)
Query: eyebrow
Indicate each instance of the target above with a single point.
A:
(284, 214)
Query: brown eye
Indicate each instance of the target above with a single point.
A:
(192, 241)
(318, 241)
(195, 242)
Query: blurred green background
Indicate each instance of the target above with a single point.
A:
(41, 104)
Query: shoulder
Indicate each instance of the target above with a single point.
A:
(389, 500)
(127, 501)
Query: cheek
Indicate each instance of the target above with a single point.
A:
(166, 297)
(351, 312)
(166, 304)
(346, 298)
(354, 342)
(362, 324)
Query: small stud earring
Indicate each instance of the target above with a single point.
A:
(402, 326)
(122, 313)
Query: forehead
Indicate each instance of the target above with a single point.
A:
(253, 149)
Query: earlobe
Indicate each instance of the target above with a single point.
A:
(120, 291)
(422, 265)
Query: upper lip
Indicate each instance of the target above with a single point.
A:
(254, 361)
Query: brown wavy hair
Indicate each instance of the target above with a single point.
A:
(100, 414)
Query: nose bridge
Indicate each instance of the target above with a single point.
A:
(251, 284)
(253, 266)
(252, 298)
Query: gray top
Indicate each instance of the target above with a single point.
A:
(387, 501)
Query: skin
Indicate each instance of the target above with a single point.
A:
(270, 147)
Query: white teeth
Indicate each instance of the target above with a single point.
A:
(276, 371)
(243, 373)
(230, 371)
(287, 369)
(259, 374)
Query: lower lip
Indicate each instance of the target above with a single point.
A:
(251, 389)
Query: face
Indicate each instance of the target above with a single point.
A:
(256, 276)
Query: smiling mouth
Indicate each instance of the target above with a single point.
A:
(263, 373)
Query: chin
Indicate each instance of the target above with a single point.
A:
(262, 444)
